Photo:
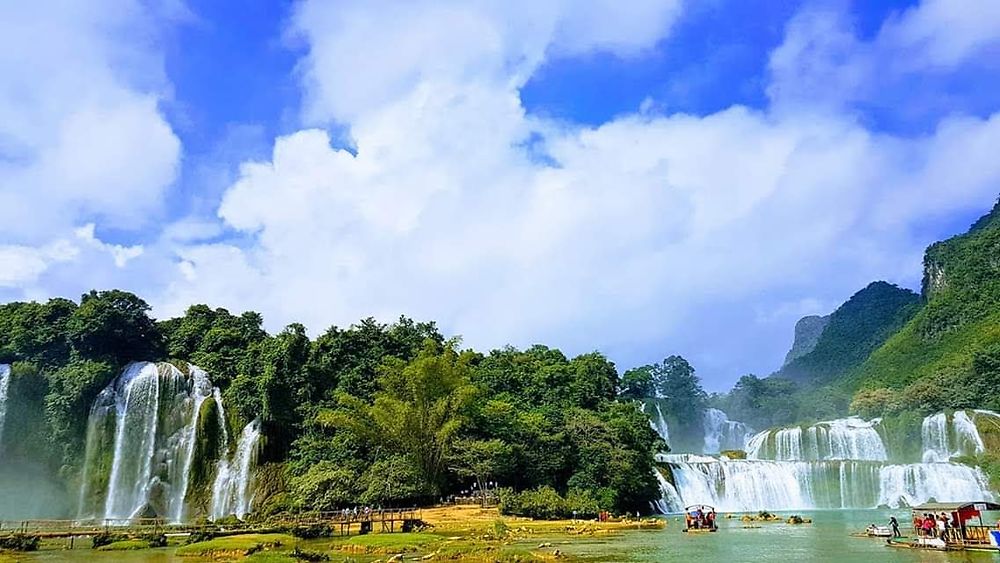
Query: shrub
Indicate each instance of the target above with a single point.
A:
(545, 503)
(201, 536)
(312, 531)
(19, 542)
(155, 540)
(870, 403)
(106, 538)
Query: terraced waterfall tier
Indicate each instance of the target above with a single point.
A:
(843, 463)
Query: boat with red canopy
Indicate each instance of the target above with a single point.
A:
(953, 526)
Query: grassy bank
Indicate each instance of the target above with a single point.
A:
(464, 533)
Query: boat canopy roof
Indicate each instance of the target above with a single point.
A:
(703, 507)
(956, 506)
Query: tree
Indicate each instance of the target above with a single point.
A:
(35, 332)
(594, 380)
(418, 411)
(677, 385)
(348, 360)
(114, 326)
(482, 460)
(637, 383)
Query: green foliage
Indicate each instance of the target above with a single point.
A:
(312, 531)
(872, 403)
(960, 321)
(637, 383)
(679, 394)
(305, 555)
(373, 414)
(214, 340)
(417, 412)
(545, 503)
(35, 332)
(762, 403)
(72, 390)
(114, 326)
(326, 486)
(348, 360)
(106, 538)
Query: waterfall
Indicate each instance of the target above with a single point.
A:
(842, 439)
(669, 501)
(136, 396)
(839, 463)
(660, 425)
(232, 490)
(4, 386)
(202, 388)
(737, 485)
(942, 441)
(723, 434)
(141, 436)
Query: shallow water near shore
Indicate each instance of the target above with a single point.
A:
(828, 538)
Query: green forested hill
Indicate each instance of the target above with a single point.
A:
(948, 354)
(854, 330)
(895, 352)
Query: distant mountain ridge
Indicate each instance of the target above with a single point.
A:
(849, 334)
(960, 321)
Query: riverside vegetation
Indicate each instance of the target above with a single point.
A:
(374, 414)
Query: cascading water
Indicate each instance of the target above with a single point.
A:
(4, 386)
(834, 464)
(669, 500)
(143, 444)
(945, 438)
(723, 434)
(231, 492)
(658, 423)
(180, 471)
(732, 485)
(842, 439)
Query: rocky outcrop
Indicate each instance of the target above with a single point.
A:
(807, 333)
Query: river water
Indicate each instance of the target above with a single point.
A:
(828, 538)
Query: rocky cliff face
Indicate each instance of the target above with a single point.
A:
(807, 333)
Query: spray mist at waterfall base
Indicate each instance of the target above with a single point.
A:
(27, 491)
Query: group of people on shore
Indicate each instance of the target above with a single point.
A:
(697, 519)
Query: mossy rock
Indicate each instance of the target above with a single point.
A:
(734, 454)
(125, 545)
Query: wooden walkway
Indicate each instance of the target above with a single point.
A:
(384, 520)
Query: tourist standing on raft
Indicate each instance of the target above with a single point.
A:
(895, 527)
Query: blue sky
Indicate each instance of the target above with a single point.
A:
(675, 177)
